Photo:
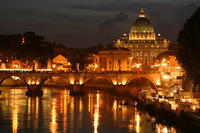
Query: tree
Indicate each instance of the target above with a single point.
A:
(80, 59)
(189, 47)
(27, 46)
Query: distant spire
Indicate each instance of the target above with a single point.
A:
(142, 14)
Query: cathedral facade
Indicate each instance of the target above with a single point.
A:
(143, 42)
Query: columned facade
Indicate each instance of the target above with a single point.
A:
(145, 44)
(115, 60)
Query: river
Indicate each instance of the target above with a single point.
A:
(57, 112)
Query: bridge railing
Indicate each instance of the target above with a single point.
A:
(73, 72)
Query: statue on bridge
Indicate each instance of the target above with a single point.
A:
(77, 67)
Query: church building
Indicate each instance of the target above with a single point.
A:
(145, 44)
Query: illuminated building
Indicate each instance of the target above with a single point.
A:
(3, 66)
(15, 64)
(36, 64)
(143, 41)
(49, 64)
(93, 65)
(170, 66)
(171, 74)
(60, 63)
(115, 60)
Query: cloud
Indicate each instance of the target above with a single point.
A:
(33, 13)
(121, 17)
(109, 29)
(158, 9)
(105, 19)
(110, 23)
(114, 6)
(60, 16)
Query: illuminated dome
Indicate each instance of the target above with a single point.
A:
(142, 24)
(145, 44)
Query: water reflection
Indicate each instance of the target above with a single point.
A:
(163, 129)
(137, 120)
(57, 111)
(65, 102)
(53, 123)
(15, 117)
(96, 113)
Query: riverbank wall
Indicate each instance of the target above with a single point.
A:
(163, 114)
(162, 111)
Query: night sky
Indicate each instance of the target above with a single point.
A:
(83, 23)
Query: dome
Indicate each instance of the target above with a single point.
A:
(142, 24)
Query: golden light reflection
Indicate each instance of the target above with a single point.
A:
(29, 110)
(124, 110)
(37, 107)
(53, 123)
(29, 106)
(163, 129)
(131, 125)
(96, 114)
(36, 111)
(81, 112)
(115, 110)
(15, 118)
(65, 101)
(80, 105)
(137, 120)
(15, 111)
(72, 117)
(72, 112)
(90, 103)
(61, 104)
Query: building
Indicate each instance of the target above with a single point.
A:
(93, 62)
(171, 71)
(60, 63)
(115, 60)
(145, 44)
(14, 63)
(169, 67)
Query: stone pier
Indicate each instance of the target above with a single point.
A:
(77, 90)
(34, 90)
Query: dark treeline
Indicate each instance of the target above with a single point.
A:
(27, 46)
(189, 47)
(30, 46)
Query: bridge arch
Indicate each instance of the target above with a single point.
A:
(13, 76)
(46, 78)
(148, 78)
(98, 81)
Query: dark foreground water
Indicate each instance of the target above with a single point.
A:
(58, 112)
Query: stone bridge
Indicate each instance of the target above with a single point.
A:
(35, 79)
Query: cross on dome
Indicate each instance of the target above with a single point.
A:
(142, 14)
